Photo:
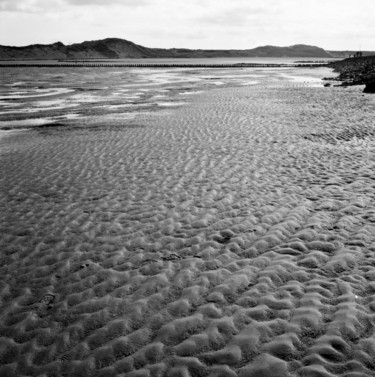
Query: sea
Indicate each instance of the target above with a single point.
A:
(73, 96)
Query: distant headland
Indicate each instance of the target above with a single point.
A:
(115, 48)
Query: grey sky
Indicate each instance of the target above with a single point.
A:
(218, 24)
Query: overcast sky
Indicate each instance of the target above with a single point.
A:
(214, 24)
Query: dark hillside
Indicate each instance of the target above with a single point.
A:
(115, 48)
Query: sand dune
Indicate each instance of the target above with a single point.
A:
(231, 236)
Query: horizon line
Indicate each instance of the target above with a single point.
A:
(187, 48)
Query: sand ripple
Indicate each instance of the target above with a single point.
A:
(230, 237)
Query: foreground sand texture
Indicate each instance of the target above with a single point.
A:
(233, 236)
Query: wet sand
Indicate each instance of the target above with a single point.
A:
(232, 236)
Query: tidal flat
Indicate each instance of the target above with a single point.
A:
(186, 222)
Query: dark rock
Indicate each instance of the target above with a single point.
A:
(370, 86)
(354, 71)
(327, 84)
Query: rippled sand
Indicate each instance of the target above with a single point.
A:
(232, 236)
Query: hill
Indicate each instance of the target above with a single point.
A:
(115, 48)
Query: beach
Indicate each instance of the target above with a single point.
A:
(212, 225)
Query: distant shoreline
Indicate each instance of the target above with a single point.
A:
(116, 48)
(171, 62)
(165, 65)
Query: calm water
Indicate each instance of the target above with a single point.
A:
(32, 97)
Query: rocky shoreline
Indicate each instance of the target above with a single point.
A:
(356, 71)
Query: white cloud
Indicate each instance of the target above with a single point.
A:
(217, 24)
(29, 6)
(53, 5)
(7, 5)
(105, 3)
(13, 6)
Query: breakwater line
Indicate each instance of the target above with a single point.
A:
(120, 65)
